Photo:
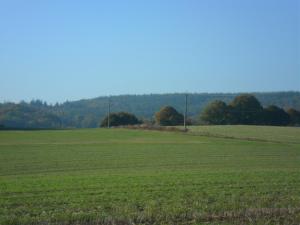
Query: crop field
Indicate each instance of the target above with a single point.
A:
(209, 175)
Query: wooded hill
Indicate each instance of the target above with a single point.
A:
(90, 112)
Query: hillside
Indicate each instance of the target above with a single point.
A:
(89, 112)
(27, 116)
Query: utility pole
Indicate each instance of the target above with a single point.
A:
(108, 113)
(185, 113)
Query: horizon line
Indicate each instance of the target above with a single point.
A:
(166, 93)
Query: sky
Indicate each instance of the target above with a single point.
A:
(58, 50)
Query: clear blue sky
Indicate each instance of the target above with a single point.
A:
(58, 50)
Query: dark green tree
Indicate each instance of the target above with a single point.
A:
(215, 113)
(294, 116)
(120, 119)
(246, 109)
(168, 116)
(276, 116)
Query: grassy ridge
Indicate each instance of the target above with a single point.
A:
(149, 177)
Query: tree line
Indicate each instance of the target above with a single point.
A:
(244, 109)
(90, 112)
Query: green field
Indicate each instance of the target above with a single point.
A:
(210, 175)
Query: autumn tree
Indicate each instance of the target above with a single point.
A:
(215, 113)
(168, 116)
(246, 109)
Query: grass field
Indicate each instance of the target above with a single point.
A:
(210, 175)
